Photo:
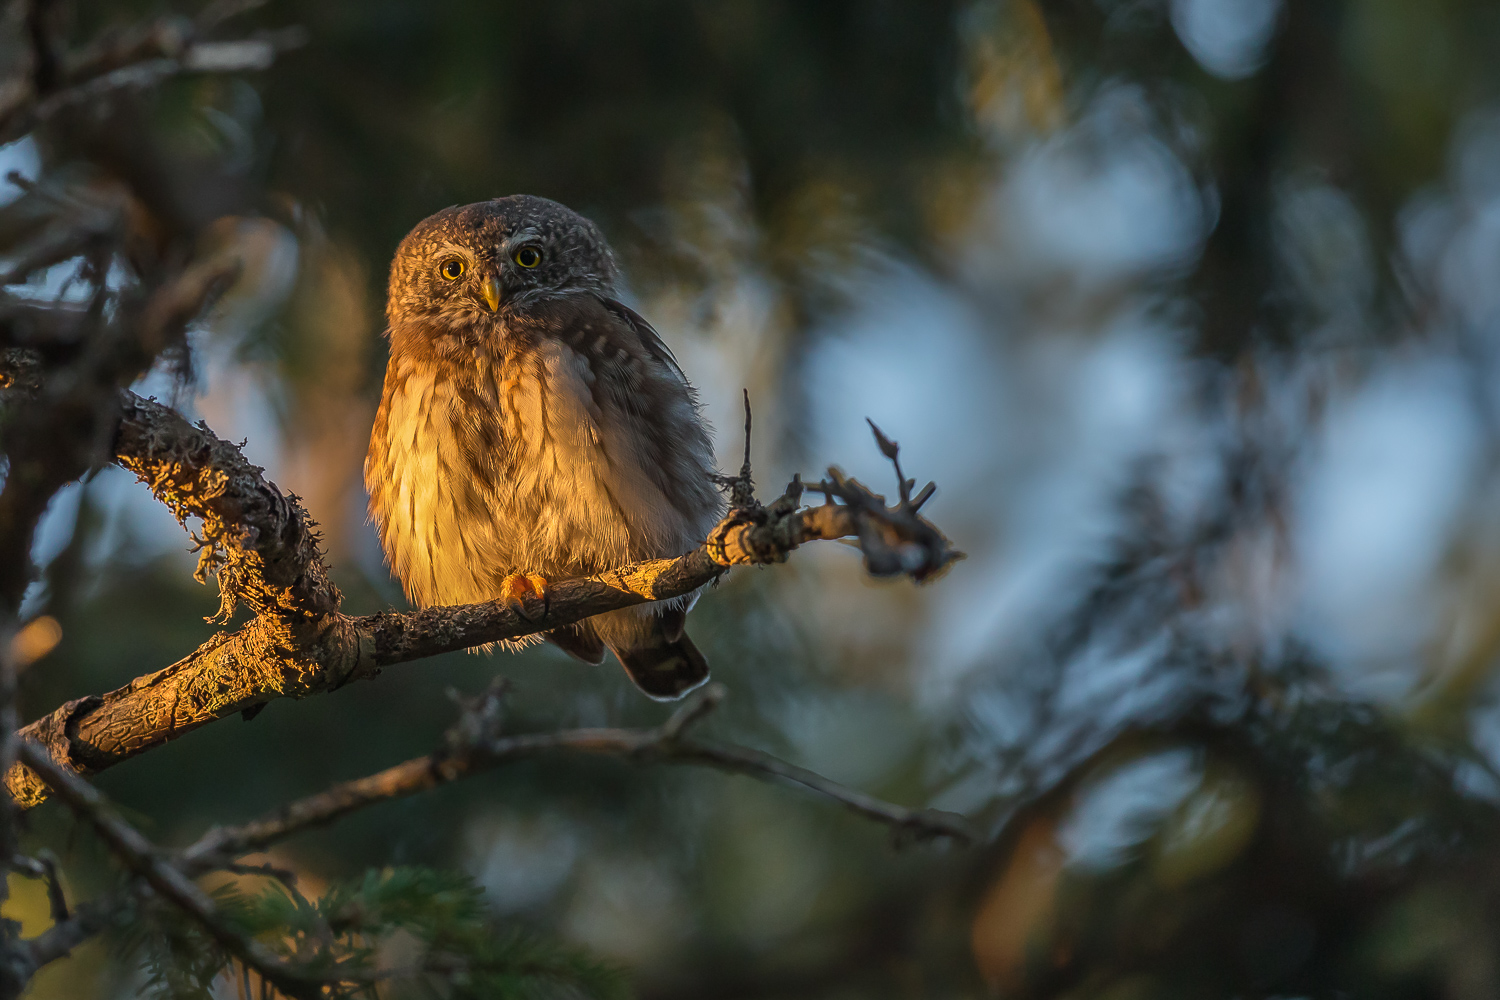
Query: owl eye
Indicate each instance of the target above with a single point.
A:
(528, 256)
(452, 269)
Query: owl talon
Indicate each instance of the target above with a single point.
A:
(517, 587)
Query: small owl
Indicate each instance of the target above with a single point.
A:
(532, 426)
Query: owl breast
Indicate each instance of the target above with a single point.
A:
(548, 460)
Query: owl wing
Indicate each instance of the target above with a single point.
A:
(650, 339)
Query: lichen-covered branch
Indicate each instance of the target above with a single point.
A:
(63, 365)
(259, 542)
(287, 651)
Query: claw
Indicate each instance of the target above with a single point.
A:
(517, 587)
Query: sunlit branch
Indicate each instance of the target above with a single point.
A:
(259, 542)
(268, 553)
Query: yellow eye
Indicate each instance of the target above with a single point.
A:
(528, 256)
(452, 269)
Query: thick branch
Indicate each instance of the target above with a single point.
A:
(270, 657)
(259, 542)
(265, 552)
(667, 743)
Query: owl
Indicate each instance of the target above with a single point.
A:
(533, 427)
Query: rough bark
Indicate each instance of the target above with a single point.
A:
(258, 541)
(263, 548)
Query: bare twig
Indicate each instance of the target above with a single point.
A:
(667, 743)
(742, 486)
(896, 540)
(44, 868)
(124, 61)
(57, 901)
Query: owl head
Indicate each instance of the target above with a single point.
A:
(471, 262)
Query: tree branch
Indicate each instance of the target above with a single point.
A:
(141, 858)
(62, 937)
(269, 557)
(127, 60)
(481, 749)
(259, 542)
(472, 746)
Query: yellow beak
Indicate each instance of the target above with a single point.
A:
(491, 292)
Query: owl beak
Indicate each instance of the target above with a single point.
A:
(491, 292)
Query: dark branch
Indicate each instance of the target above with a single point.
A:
(141, 858)
(481, 750)
(44, 867)
(123, 61)
(474, 745)
(742, 487)
(62, 937)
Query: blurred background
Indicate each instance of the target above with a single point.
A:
(1191, 308)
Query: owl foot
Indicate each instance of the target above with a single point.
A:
(517, 587)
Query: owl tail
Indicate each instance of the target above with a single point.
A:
(650, 644)
(579, 641)
(661, 667)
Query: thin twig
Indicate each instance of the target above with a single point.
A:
(57, 900)
(742, 486)
(892, 451)
(745, 485)
(44, 868)
(922, 824)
